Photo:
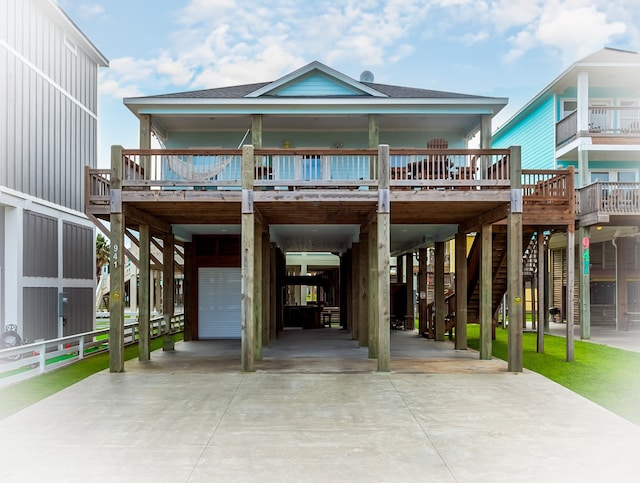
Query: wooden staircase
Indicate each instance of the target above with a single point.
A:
(498, 269)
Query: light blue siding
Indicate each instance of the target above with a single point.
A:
(535, 133)
(316, 84)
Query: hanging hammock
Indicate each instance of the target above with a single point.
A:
(198, 168)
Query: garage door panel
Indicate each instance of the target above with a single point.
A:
(219, 300)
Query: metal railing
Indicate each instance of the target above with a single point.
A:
(613, 198)
(618, 120)
(29, 360)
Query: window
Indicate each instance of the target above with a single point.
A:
(568, 106)
(599, 176)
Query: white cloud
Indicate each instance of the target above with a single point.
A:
(575, 31)
(90, 10)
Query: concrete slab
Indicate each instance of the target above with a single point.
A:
(192, 416)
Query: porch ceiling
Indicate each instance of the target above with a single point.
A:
(460, 123)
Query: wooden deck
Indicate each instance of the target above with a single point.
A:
(327, 186)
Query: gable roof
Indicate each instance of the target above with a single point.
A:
(601, 61)
(275, 89)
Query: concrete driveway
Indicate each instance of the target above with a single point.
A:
(316, 410)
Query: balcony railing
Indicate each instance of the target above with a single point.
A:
(609, 198)
(602, 120)
(287, 169)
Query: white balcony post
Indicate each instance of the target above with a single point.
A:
(583, 101)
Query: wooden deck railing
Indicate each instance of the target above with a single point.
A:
(547, 186)
(612, 198)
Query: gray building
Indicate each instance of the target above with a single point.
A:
(48, 133)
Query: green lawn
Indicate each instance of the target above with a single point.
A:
(23, 394)
(609, 377)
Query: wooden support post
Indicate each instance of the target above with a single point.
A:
(257, 289)
(373, 290)
(461, 290)
(266, 288)
(439, 291)
(422, 291)
(363, 306)
(167, 290)
(410, 320)
(514, 264)
(116, 265)
(355, 290)
(622, 250)
(346, 263)
(571, 280)
(256, 131)
(400, 269)
(190, 307)
(144, 314)
(542, 253)
(145, 142)
(383, 260)
(275, 293)
(486, 282)
(585, 283)
(247, 317)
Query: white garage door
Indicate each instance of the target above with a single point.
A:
(219, 303)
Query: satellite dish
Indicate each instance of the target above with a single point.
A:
(366, 76)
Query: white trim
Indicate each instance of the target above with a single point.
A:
(13, 266)
(48, 79)
(58, 283)
(16, 199)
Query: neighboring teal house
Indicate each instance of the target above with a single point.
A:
(589, 118)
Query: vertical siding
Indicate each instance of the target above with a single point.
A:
(40, 313)
(40, 245)
(77, 251)
(46, 137)
(80, 310)
(535, 132)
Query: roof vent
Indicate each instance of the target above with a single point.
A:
(366, 76)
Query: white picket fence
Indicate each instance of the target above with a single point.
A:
(29, 360)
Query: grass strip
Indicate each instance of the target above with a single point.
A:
(602, 374)
(25, 393)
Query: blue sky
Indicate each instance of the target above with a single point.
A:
(502, 48)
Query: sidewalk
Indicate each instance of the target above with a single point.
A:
(628, 340)
(317, 411)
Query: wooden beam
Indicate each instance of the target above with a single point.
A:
(116, 266)
(461, 290)
(486, 304)
(167, 292)
(373, 291)
(439, 291)
(422, 290)
(142, 217)
(267, 300)
(585, 283)
(622, 250)
(514, 265)
(487, 218)
(383, 256)
(410, 320)
(109, 235)
(275, 293)
(363, 330)
(144, 312)
(247, 262)
(542, 313)
(257, 289)
(135, 241)
(355, 291)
